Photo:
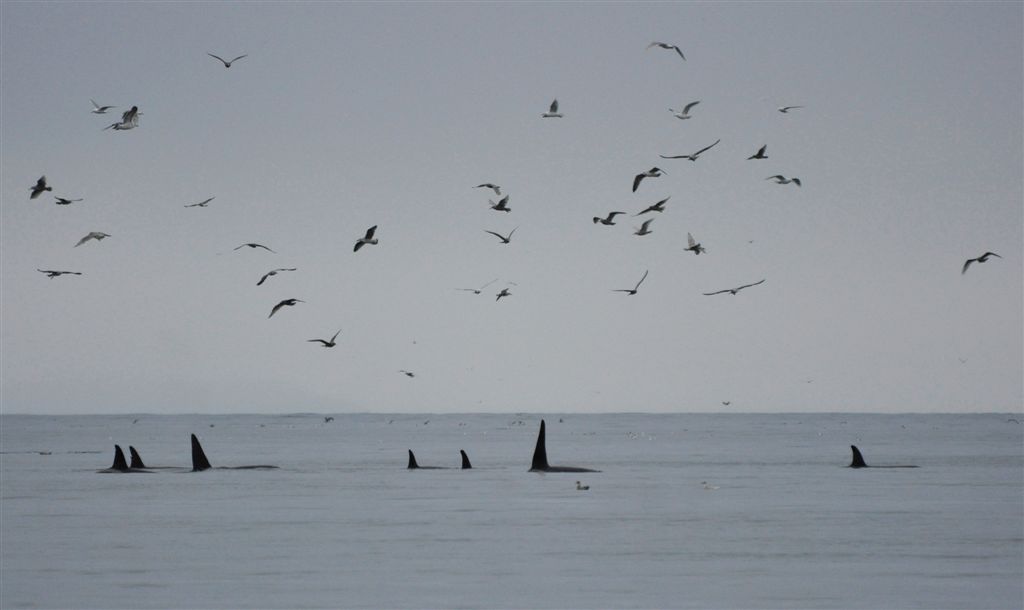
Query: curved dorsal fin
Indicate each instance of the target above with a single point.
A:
(465, 460)
(858, 459)
(119, 461)
(199, 461)
(136, 458)
(412, 461)
(540, 452)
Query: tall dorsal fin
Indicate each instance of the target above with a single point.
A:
(136, 458)
(412, 461)
(858, 459)
(199, 461)
(540, 453)
(465, 460)
(119, 461)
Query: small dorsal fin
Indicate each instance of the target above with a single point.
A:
(858, 459)
(540, 452)
(199, 461)
(465, 460)
(119, 461)
(412, 461)
(136, 458)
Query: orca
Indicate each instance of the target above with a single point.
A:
(540, 458)
(138, 463)
(413, 465)
(120, 464)
(200, 463)
(465, 460)
(858, 461)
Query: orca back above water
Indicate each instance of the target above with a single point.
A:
(136, 458)
(120, 464)
(414, 465)
(540, 458)
(465, 460)
(858, 461)
(199, 461)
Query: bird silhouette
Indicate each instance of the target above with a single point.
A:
(664, 45)
(488, 185)
(503, 239)
(608, 220)
(644, 228)
(732, 290)
(252, 245)
(657, 207)
(786, 109)
(552, 112)
(51, 273)
(632, 291)
(780, 179)
(760, 154)
(654, 172)
(685, 112)
(694, 156)
(366, 239)
(981, 259)
(274, 272)
(66, 201)
(227, 64)
(39, 187)
(693, 246)
(480, 289)
(501, 206)
(97, 235)
(504, 293)
(284, 303)
(325, 342)
(97, 109)
(201, 204)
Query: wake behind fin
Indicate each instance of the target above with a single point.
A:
(540, 452)
(136, 458)
(119, 461)
(412, 461)
(858, 459)
(465, 460)
(199, 461)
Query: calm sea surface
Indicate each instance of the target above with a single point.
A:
(342, 523)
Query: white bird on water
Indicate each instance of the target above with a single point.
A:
(552, 112)
(581, 486)
(685, 113)
(664, 45)
(97, 235)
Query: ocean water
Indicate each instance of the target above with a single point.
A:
(342, 523)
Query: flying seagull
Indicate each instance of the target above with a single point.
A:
(97, 109)
(685, 113)
(129, 120)
(366, 239)
(288, 302)
(50, 273)
(981, 259)
(480, 289)
(326, 343)
(657, 207)
(97, 235)
(38, 189)
(227, 64)
(488, 185)
(504, 293)
(408, 374)
(607, 220)
(635, 288)
(252, 245)
(201, 204)
(503, 239)
(664, 45)
(644, 228)
(552, 112)
(759, 154)
(733, 290)
(654, 172)
(786, 109)
(692, 157)
(274, 272)
(693, 246)
(65, 200)
(780, 179)
(501, 206)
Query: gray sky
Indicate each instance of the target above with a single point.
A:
(345, 116)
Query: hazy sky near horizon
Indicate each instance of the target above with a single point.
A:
(344, 116)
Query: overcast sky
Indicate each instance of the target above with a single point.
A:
(343, 116)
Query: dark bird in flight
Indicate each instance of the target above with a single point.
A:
(286, 302)
(608, 220)
(981, 259)
(733, 290)
(786, 109)
(552, 112)
(366, 239)
(501, 206)
(488, 185)
(657, 207)
(671, 47)
(408, 374)
(274, 272)
(692, 157)
(50, 273)
(654, 172)
(503, 239)
(759, 154)
(129, 120)
(693, 246)
(727, 402)
(251, 245)
(644, 228)
(97, 109)
(227, 64)
(504, 293)
(685, 112)
(201, 204)
(480, 289)
(39, 187)
(325, 342)
(780, 179)
(65, 201)
(97, 235)
(635, 288)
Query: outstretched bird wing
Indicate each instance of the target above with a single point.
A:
(749, 285)
(707, 148)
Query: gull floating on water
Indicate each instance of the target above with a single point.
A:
(632, 291)
(760, 154)
(693, 246)
(488, 185)
(552, 112)
(480, 289)
(201, 204)
(786, 109)
(608, 220)
(501, 206)
(97, 235)
(685, 113)
(227, 64)
(644, 228)
(503, 239)
(284, 303)
(504, 293)
(733, 290)
(709, 487)
(65, 201)
(654, 172)
(274, 272)
(325, 342)
(252, 245)
(39, 187)
(366, 239)
(692, 157)
(51, 273)
(97, 109)
(581, 487)
(981, 259)
(664, 45)
(657, 207)
(780, 179)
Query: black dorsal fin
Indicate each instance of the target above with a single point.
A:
(199, 461)
(119, 461)
(540, 453)
(858, 459)
(136, 458)
(412, 461)
(465, 460)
